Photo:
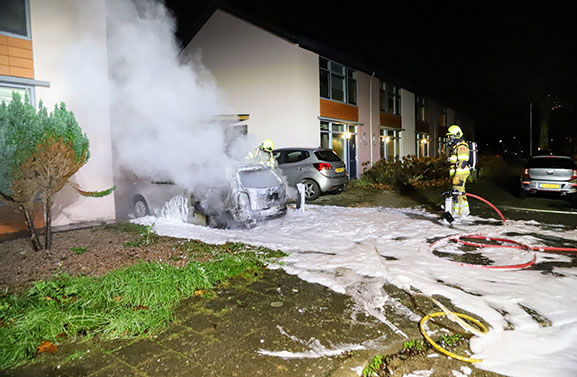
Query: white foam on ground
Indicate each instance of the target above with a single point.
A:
(347, 248)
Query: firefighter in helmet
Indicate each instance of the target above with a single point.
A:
(460, 170)
(263, 154)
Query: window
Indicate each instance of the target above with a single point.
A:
(337, 82)
(444, 117)
(443, 145)
(296, 156)
(351, 86)
(390, 144)
(14, 18)
(390, 98)
(422, 145)
(420, 108)
(7, 90)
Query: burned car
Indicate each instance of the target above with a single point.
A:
(254, 193)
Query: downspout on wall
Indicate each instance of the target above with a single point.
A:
(372, 138)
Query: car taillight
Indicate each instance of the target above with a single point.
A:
(320, 166)
(574, 175)
(526, 172)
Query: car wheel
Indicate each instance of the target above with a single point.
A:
(312, 189)
(139, 207)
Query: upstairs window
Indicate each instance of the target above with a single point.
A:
(14, 18)
(390, 98)
(420, 109)
(337, 82)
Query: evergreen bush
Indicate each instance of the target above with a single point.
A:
(39, 152)
(409, 172)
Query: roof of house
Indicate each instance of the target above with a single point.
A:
(201, 16)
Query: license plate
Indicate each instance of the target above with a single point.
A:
(549, 185)
(340, 170)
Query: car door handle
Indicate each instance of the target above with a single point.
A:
(299, 168)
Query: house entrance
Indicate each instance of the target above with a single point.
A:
(342, 139)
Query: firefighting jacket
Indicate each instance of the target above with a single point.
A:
(459, 159)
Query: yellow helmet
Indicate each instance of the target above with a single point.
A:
(268, 145)
(456, 131)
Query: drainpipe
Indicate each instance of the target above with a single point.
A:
(371, 117)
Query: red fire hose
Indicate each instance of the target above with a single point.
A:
(505, 243)
(489, 203)
(511, 244)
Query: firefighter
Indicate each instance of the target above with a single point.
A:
(263, 154)
(460, 170)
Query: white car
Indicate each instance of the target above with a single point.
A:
(255, 193)
(549, 174)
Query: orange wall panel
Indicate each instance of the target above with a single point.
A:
(25, 44)
(19, 52)
(338, 110)
(16, 58)
(422, 126)
(21, 63)
(22, 72)
(389, 120)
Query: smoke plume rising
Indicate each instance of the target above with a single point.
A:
(163, 112)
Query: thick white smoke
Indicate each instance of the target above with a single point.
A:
(163, 112)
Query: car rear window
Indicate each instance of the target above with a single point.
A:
(551, 163)
(327, 156)
(258, 178)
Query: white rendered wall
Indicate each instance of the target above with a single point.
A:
(69, 47)
(408, 123)
(261, 74)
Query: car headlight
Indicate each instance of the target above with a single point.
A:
(243, 201)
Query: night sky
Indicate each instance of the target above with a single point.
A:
(489, 59)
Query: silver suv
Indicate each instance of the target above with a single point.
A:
(320, 170)
(549, 174)
(255, 193)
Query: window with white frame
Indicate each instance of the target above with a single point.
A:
(390, 143)
(14, 18)
(443, 144)
(6, 91)
(422, 144)
(390, 98)
(337, 82)
(420, 108)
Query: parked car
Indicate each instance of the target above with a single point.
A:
(255, 193)
(549, 174)
(320, 170)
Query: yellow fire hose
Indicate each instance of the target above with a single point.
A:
(441, 349)
(455, 317)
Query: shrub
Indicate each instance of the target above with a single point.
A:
(409, 172)
(39, 152)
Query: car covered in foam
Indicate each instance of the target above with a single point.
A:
(254, 193)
